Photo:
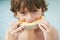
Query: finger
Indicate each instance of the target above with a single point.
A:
(20, 29)
(41, 27)
(44, 26)
(46, 23)
(14, 26)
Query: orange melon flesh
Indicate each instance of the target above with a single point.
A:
(32, 25)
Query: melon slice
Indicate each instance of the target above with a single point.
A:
(32, 25)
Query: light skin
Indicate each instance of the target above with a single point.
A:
(15, 32)
(29, 16)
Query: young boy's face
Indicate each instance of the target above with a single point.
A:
(29, 16)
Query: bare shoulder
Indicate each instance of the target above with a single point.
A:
(54, 33)
(54, 30)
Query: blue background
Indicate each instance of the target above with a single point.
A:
(6, 16)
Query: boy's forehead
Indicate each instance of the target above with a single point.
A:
(26, 9)
(23, 9)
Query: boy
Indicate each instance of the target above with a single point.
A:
(29, 11)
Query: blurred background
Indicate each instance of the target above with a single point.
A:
(6, 16)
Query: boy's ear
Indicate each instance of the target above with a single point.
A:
(15, 14)
(41, 10)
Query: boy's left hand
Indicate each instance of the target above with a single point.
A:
(46, 28)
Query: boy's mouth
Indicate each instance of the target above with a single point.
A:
(24, 21)
(31, 25)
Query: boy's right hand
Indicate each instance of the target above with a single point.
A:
(14, 31)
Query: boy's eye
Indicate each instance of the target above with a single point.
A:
(35, 11)
(23, 13)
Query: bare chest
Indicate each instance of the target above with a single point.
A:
(31, 35)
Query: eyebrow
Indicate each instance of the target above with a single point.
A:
(35, 10)
(23, 12)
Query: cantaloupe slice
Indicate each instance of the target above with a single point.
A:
(32, 25)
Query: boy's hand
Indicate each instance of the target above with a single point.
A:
(44, 26)
(14, 31)
(46, 29)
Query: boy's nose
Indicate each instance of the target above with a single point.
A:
(30, 18)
